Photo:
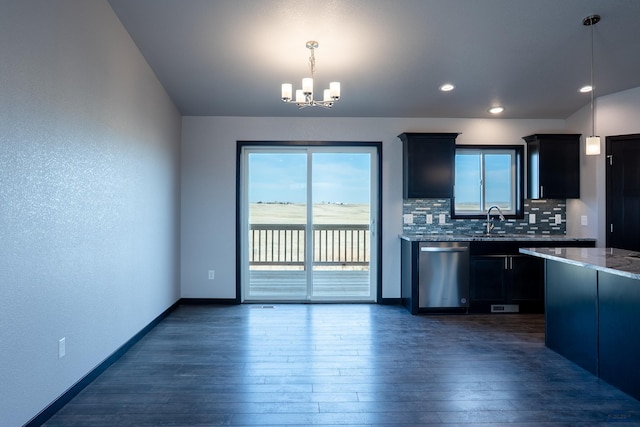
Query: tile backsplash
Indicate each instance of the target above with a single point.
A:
(433, 216)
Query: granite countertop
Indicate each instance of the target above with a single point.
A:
(610, 260)
(491, 237)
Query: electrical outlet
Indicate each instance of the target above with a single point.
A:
(62, 347)
(429, 218)
(407, 218)
(583, 220)
(212, 274)
(442, 219)
(558, 219)
(532, 218)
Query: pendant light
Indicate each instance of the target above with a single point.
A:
(592, 147)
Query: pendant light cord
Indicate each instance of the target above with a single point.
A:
(593, 117)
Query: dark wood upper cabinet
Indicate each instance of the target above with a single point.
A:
(428, 165)
(553, 166)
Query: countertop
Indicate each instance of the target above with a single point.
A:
(491, 237)
(610, 260)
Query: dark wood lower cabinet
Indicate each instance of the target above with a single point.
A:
(501, 275)
(571, 313)
(619, 339)
(507, 279)
(487, 284)
(592, 318)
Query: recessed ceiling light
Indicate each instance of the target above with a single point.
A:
(586, 89)
(496, 110)
(447, 87)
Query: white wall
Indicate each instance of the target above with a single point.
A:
(209, 182)
(616, 114)
(89, 197)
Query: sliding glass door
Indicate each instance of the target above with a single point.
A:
(308, 223)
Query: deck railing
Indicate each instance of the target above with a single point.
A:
(285, 244)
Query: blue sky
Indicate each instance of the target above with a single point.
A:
(497, 176)
(345, 177)
(337, 177)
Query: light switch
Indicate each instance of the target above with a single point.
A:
(583, 220)
(407, 218)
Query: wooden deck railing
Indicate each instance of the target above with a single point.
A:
(285, 244)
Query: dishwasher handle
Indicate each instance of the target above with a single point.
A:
(443, 249)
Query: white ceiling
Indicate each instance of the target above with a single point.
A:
(229, 57)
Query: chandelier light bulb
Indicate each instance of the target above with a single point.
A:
(307, 86)
(287, 90)
(334, 87)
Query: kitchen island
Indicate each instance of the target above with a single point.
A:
(592, 310)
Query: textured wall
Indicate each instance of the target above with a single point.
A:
(544, 219)
(89, 196)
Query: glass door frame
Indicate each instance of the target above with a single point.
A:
(375, 264)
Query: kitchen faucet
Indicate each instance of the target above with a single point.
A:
(489, 223)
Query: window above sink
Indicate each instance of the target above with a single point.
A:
(487, 176)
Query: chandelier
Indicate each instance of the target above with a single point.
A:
(304, 96)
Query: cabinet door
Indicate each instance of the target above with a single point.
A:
(526, 281)
(428, 165)
(553, 165)
(487, 280)
(560, 169)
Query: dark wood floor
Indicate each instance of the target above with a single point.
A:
(355, 365)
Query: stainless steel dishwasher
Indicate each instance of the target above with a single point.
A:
(443, 273)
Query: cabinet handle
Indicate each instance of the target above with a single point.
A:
(542, 191)
(508, 263)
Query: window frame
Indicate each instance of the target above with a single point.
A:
(517, 192)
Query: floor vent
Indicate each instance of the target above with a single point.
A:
(505, 308)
